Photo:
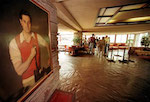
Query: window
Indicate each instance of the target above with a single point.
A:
(130, 36)
(138, 39)
(121, 38)
(112, 38)
(65, 39)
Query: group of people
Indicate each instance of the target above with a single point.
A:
(101, 46)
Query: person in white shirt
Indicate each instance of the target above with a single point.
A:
(107, 42)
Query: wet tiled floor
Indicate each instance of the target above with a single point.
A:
(94, 79)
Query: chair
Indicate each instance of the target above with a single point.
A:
(66, 48)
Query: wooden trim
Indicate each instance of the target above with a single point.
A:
(49, 26)
(38, 5)
(24, 97)
(105, 16)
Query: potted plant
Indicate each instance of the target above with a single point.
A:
(77, 40)
(145, 41)
(130, 42)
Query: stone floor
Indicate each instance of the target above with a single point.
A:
(94, 79)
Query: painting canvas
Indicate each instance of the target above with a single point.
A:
(24, 47)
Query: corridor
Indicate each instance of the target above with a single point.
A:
(94, 79)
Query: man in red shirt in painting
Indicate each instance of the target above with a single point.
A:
(24, 50)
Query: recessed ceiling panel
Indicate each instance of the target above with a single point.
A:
(98, 19)
(137, 19)
(102, 11)
(104, 19)
(130, 7)
(124, 14)
(111, 11)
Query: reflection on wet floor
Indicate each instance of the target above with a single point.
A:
(94, 79)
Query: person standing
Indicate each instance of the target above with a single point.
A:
(107, 43)
(92, 43)
(101, 46)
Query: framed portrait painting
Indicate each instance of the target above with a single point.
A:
(25, 47)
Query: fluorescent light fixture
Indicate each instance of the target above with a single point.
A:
(111, 21)
(130, 7)
(138, 19)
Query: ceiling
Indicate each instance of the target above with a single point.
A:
(82, 15)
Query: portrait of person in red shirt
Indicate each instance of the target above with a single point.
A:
(24, 50)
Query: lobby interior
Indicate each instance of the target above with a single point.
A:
(66, 66)
(93, 78)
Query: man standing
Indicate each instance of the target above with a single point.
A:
(101, 46)
(107, 41)
(24, 50)
(92, 43)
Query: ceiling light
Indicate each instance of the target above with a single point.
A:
(138, 19)
(112, 21)
(130, 7)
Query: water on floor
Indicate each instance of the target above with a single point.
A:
(94, 79)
